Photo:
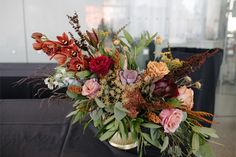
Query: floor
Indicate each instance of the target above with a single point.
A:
(225, 114)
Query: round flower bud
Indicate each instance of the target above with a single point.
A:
(197, 85)
(188, 79)
(116, 42)
(125, 48)
(159, 40)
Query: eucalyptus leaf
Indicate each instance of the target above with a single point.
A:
(205, 131)
(97, 114)
(195, 143)
(108, 120)
(119, 114)
(174, 102)
(107, 135)
(149, 140)
(124, 134)
(205, 151)
(119, 106)
(78, 117)
(119, 111)
(71, 95)
(165, 143)
(71, 113)
(99, 103)
(150, 125)
(83, 74)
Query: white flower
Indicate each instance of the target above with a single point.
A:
(49, 83)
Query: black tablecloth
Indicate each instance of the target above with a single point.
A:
(34, 128)
(12, 88)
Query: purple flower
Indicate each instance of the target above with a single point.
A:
(128, 76)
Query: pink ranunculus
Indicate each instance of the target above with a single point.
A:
(170, 119)
(186, 97)
(90, 88)
(128, 76)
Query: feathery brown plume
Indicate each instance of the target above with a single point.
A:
(190, 65)
(200, 116)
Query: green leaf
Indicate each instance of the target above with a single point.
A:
(119, 106)
(71, 95)
(99, 103)
(165, 143)
(111, 125)
(122, 130)
(107, 135)
(96, 114)
(174, 102)
(78, 117)
(205, 151)
(108, 120)
(149, 140)
(86, 125)
(205, 131)
(119, 111)
(195, 143)
(70, 74)
(185, 115)
(71, 113)
(150, 125)
(119, 114)
(83, 74)
(128, 37)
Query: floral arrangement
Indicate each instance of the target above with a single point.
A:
(154, 106)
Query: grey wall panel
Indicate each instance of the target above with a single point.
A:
(12, 36)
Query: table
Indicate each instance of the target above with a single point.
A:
(34, 128)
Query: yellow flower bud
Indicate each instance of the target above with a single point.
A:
(197, 85)
(125, 48)
(159, 40)
(188, 79)
(116, 42)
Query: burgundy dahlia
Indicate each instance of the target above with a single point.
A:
(165, 89)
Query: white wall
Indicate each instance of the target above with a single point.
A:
(20, 18)
(178, 22)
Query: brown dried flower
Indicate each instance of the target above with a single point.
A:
(153, 117)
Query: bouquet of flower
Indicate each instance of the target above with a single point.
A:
(152, 107)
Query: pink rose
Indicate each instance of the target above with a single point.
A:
(170, 119)
(186, 97)
(90, 88)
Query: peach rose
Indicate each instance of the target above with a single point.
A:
(186, 97)
(170, 119)
(90, 88)
(157, 70)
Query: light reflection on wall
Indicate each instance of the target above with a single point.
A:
(93, 16)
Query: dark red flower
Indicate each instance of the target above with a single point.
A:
(64, 40)
(100, 65)
(165, 89)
